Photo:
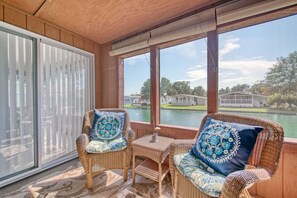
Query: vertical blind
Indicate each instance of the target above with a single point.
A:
(16, 103)
(66, 96)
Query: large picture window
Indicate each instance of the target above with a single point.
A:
(258, 72)
(183, 84)
(137, 87)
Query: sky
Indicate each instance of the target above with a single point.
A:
(245, 56)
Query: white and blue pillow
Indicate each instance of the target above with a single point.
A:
(225, 146)
(107, 126)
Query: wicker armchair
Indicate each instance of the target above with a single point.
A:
(95, 163)
(263, 160)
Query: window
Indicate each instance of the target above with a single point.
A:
(258, 72)
(137, 87)
(183, 84)
(66, 96)
(17, 115)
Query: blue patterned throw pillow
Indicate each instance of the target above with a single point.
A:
(107, 126)
(225, 146)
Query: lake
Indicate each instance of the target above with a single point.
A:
(190, 118)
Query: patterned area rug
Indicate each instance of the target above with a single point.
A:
(72, 183)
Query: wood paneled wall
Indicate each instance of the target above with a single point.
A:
(281, 186)
(44, 28)
(27, 21)
(109, 79)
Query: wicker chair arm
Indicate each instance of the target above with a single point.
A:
(86, 129)
(130, 135)
(81, 143)
(237, 181)
(181, 146)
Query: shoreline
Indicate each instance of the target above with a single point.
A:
(224, 109)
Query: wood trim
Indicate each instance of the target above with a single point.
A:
(1, 12)
(52, 32)
(66, 37)
(35, 25)
(98, 79)
(121, 82)
(212, 71)
(15, 18)
(89, 46)
(155, 85)
(78, 42)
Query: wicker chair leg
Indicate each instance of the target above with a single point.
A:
(89, 174)
(89, 181)
(175, 185)
(126, 173)
(125, 167)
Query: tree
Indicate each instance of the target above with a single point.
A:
(261, 87)
(240, 88)
(182, 87)
(282, 78)
(146, 90)
(224, 91)
(283, 75)
(199, 91)
(275, 99)
(165, 87)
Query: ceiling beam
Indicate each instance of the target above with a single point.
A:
(41, 7)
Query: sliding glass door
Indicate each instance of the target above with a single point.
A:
(17, 104)
(66, 79)
(45, 89)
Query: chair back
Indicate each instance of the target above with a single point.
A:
(267, 149)
(89, 118)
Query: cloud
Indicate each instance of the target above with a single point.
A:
(230, 45)
(195, 67)
(246, 71)
(197, 74)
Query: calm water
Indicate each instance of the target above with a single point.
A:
(193, 118)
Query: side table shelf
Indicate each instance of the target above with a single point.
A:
(150, 169)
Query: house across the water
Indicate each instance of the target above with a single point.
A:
(187, 100)
(241, 99)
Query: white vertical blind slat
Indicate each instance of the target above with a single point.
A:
(21, 96)
(74, 128)
(12, 94)
(59, 74)
(64, 98)
(69, 100)
(53, 97)
(47, 117)
(29, 100)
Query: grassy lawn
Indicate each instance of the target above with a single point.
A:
(204, 108)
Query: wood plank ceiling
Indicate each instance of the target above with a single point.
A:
(106, 20)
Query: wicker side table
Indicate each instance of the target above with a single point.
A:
(153, 167)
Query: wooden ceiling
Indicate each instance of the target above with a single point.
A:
(104, 21)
